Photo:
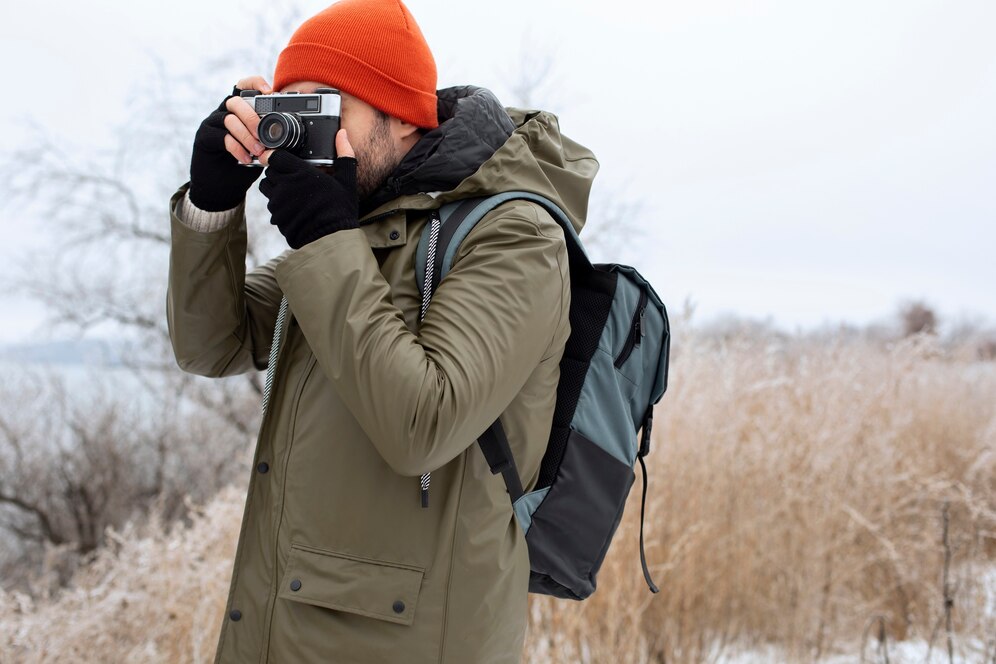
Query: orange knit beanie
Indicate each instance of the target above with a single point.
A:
(371, 49)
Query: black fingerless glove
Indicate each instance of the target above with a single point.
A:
(306, 203)
(217, 180)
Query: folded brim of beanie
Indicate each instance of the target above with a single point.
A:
(305, 60)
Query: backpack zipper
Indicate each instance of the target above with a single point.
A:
(636, 331)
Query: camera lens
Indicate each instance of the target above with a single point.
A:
(274, 132)
(281, 130)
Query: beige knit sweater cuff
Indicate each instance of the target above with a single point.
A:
(202, 220)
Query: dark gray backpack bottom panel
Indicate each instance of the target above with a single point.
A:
(572, 528)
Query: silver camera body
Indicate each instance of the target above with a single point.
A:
(302, 123)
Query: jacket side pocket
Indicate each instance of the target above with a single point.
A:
(374, 588)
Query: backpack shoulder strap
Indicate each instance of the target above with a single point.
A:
(459, 218)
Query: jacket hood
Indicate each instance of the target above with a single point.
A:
(481, 148)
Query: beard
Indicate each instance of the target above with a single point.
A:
(375, 159)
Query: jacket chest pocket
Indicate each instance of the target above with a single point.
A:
(373, 588)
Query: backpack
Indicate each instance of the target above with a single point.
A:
(586, 474)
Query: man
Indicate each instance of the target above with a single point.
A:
(338, 559)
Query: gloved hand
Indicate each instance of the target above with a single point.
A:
(306, 203)
(217, 180)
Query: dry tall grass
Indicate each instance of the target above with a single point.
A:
(797, 499)
(154, 595)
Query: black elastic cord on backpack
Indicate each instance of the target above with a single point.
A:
(644, 451)
(498, 454)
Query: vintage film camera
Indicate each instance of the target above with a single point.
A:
(304, 124)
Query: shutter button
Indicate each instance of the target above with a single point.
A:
(296, 584)
(399, 606)
(395, 235)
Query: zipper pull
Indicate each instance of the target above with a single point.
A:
(640, 326)
(648, 423)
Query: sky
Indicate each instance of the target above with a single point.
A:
(797, 161)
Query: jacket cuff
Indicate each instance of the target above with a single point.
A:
(203, 221)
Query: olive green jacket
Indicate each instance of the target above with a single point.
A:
(337, 560)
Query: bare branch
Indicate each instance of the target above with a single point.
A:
(40, 515)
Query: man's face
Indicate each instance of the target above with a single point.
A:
(373, 137)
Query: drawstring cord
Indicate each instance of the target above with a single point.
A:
(430, 261)
(274, 349)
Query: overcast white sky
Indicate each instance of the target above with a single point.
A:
(807, 161)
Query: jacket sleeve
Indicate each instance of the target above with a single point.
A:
(424, 398)
(220, 319)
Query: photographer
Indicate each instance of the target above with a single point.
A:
(341, 558)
